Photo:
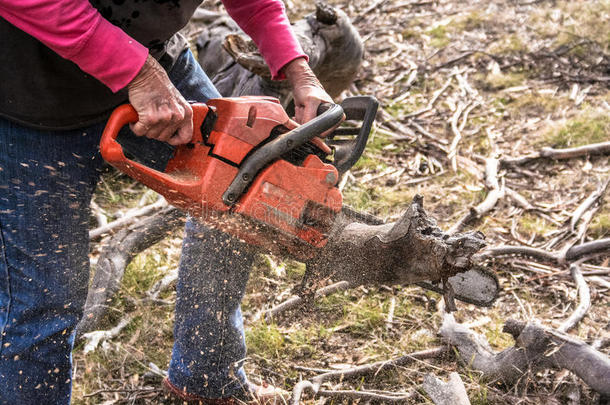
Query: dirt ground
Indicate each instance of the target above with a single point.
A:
(459, 82)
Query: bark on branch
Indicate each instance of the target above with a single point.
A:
(452, 392)
(315, 383)
(407, 251)
(536, 348)
(602, 148)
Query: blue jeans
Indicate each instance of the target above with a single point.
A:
(47, 179)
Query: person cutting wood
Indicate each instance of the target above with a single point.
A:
(65, 65)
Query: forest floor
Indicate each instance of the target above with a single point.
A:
(508, 78)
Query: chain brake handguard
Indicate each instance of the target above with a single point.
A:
(349, 142)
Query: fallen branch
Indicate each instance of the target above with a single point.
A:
(519, 199)
(495, 194)
(98, 213)
(602, 148)
(593, 199)
(427, 134)
(573, 253)
(116, 255)
(374, 368)
(536, 348)
(433, 100)
(383, 397)
(452, 392)
(295, 301)
(584, 296)
(589, 248)
(93, 339)
(129, 218)
(160, 286)
(457, 134)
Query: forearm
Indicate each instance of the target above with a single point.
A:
(265, 21)
(75, 30)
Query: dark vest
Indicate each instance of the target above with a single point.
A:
(40, 89)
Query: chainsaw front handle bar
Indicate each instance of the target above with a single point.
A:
(331, 117)
(347, 153)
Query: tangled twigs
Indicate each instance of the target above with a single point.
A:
(498, 191)
(570, 251)
(315, 383)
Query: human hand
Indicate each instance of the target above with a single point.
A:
(163, 114)
(307, 91)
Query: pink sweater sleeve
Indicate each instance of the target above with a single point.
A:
(76, 31)
(265, 21)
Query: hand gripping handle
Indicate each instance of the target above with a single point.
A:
(112, 151)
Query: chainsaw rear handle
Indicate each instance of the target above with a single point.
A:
(347, 153)
(272, 150)
(121, 116)
(112, 151)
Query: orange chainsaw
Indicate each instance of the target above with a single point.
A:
(250, 171)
